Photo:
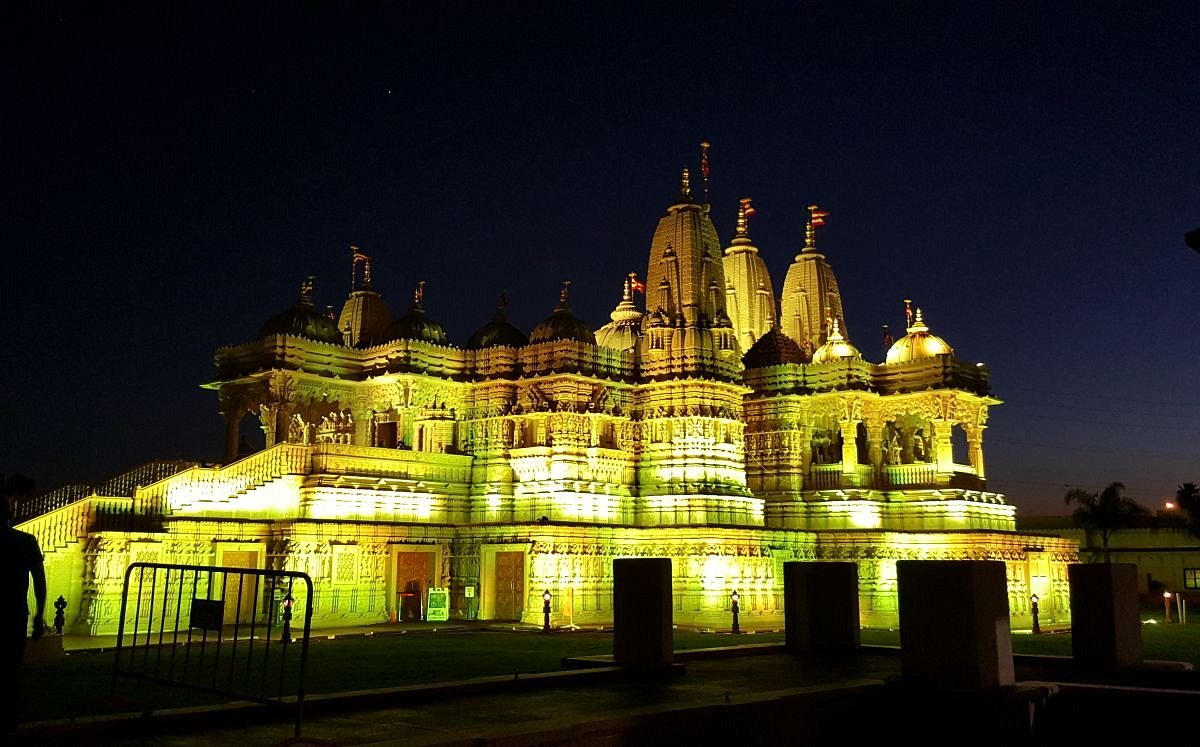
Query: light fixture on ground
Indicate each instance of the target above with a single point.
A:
(1166, 606)
(288, 601)
(546, 597)
(1033, 608)
(733, 606)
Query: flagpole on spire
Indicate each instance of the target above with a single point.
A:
(816, 217)
(704, 146)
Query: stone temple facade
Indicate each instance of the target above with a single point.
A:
(716, 424)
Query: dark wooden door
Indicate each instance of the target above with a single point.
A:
(510, 585)
(414, 571)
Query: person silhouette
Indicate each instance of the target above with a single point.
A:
(20, 560)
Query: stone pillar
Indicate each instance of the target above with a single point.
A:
(1106, 629)
(975, 449)
(820, 608)
(642, 617)
(850, 447)
(875, 433)
(268, 418)
(364, 424)
(954, 628)
(943, 449)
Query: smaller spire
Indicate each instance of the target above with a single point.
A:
(704, 146)
(908, 312)
(306, 290)
(816, 217)
(685, 186)
(745, 210)
(502, 304)
(356, 258)
(419, 294)
(563, 295)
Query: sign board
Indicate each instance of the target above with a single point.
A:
(438, 609)
(470, 590)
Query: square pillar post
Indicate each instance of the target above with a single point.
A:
(642, 614)
(954, 628)
(820, 608)
(1106, 629)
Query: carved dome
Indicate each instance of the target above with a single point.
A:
(773, 349)
(918, 344)
(623, 332)
(835, 348)
(415, 325)
(497, 332)
(303, 320)
(562, 324)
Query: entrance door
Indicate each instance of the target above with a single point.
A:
(510, 585)
(414, 571)
(385, 434)
(240, 602)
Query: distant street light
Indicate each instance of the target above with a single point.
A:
(733, 605)
(1166, 606)
(546, 597)
(1033, 607)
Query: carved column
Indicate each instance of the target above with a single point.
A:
(975, 449)
(876, 431)
(943, 450)
(849, 447)
(232, 410)
(364, 421)
(268, 419)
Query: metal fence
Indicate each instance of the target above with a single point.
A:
(240, 633)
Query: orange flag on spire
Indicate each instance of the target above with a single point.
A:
(819, 216)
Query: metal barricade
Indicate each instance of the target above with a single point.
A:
(218, 630)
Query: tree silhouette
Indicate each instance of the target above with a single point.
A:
(1187, 497)
(1105, 512)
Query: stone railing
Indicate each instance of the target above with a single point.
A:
(918, 473)
(396, 464)
(216, 483)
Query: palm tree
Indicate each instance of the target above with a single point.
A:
(1187, 497)
(1105, 512)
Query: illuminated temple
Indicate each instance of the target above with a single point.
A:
(710, 421)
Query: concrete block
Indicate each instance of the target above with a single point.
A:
(1106, 626)
(642, 613)
(954, 625)
(820, 608)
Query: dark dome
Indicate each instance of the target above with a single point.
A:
(416, 326)
(303, 320)
(562, 324)
(497, 332)
(773, 349)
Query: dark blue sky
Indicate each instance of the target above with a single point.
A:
(1024, 172)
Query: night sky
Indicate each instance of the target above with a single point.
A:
(1024, 172)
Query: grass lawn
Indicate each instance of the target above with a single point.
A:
(82, 684)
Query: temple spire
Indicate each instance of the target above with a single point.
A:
(704, 146)
(358, 258)
(816, 217)
(419, 294)
(563, 295)
(685, 186)
(743, 223)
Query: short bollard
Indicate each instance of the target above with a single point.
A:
(60, 614)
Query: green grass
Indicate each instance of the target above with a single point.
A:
(82, 684)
